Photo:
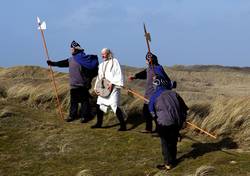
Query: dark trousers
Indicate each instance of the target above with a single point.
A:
(118, 113)
(79, 95)
(148, 118)
(169, 139)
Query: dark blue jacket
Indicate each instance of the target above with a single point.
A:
(168, 106)
(148, 74)
(81, 69)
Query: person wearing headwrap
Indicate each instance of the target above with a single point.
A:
(170, 112)
(82, 69)
(109, 69)
(153, 68)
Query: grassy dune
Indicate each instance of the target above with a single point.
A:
(35, 141)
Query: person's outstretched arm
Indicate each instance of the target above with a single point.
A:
(140, 75)
(62, 63)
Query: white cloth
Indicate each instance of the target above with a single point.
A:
(113, 74)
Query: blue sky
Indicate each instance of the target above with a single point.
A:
(184, 32)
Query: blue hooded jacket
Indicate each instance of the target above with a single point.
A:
(167, 105)
(87, 61)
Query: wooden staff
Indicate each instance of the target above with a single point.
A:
(189, 123)
(193, 125)
(148, 39)
(42, 27)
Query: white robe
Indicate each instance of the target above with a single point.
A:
(115, 76)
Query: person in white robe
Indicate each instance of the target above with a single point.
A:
(109, 69)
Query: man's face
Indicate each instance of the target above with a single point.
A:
(72, 50)
(147, 62)
(104, 55)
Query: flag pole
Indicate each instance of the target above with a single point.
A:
(148, 40)
(147, 37)
(42, 27)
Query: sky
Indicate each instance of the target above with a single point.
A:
(183, 32)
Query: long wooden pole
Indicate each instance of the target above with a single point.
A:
(209, 134)
(51, 73)
(189, 123)
(147, 37)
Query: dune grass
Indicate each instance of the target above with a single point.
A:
(39, 143)
(35, 141)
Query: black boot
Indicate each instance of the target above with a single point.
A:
(84, 120)
(120, 117)
(148, 118)
(96, 126)
(122, 128)
(85, 111)
(99, 118)
(73, 106)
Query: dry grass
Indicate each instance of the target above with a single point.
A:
(219, 101)
(217, 96)
(33, 85)
(205, 171)
(226, 117)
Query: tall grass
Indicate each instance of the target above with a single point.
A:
(34, 142)
(218, 97)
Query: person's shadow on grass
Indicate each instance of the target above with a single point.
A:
(200, 149)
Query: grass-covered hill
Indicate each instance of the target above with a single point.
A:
(35, 141)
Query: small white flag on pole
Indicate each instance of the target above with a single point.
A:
(42, 25)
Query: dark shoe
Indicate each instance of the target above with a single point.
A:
(96, 126)
(69, 119)
(164, 167)
(84, 120)
(122, 128)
